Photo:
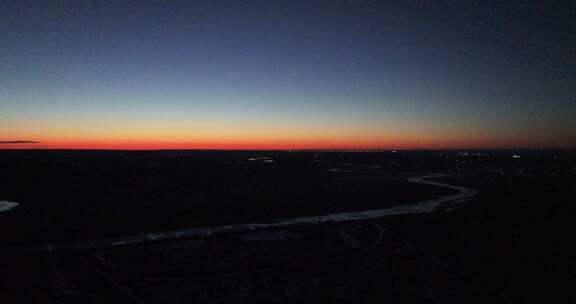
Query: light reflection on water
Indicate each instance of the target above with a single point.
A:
(7, 205)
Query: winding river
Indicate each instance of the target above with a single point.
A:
(462, 195)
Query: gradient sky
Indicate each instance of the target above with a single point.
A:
(287, 74)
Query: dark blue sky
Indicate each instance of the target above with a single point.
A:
(289, 73)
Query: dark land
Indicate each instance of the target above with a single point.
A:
(511, 243)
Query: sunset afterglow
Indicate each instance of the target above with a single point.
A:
(202, 75)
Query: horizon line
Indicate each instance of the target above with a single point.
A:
(290, 150)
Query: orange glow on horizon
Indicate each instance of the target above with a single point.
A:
(280, 144)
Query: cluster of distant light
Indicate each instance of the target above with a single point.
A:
(508, 163)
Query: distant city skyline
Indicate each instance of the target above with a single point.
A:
(287, 74)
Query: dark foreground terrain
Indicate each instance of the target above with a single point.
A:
(67, 195)
(510, 243)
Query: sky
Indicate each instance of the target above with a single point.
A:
(287, 74)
